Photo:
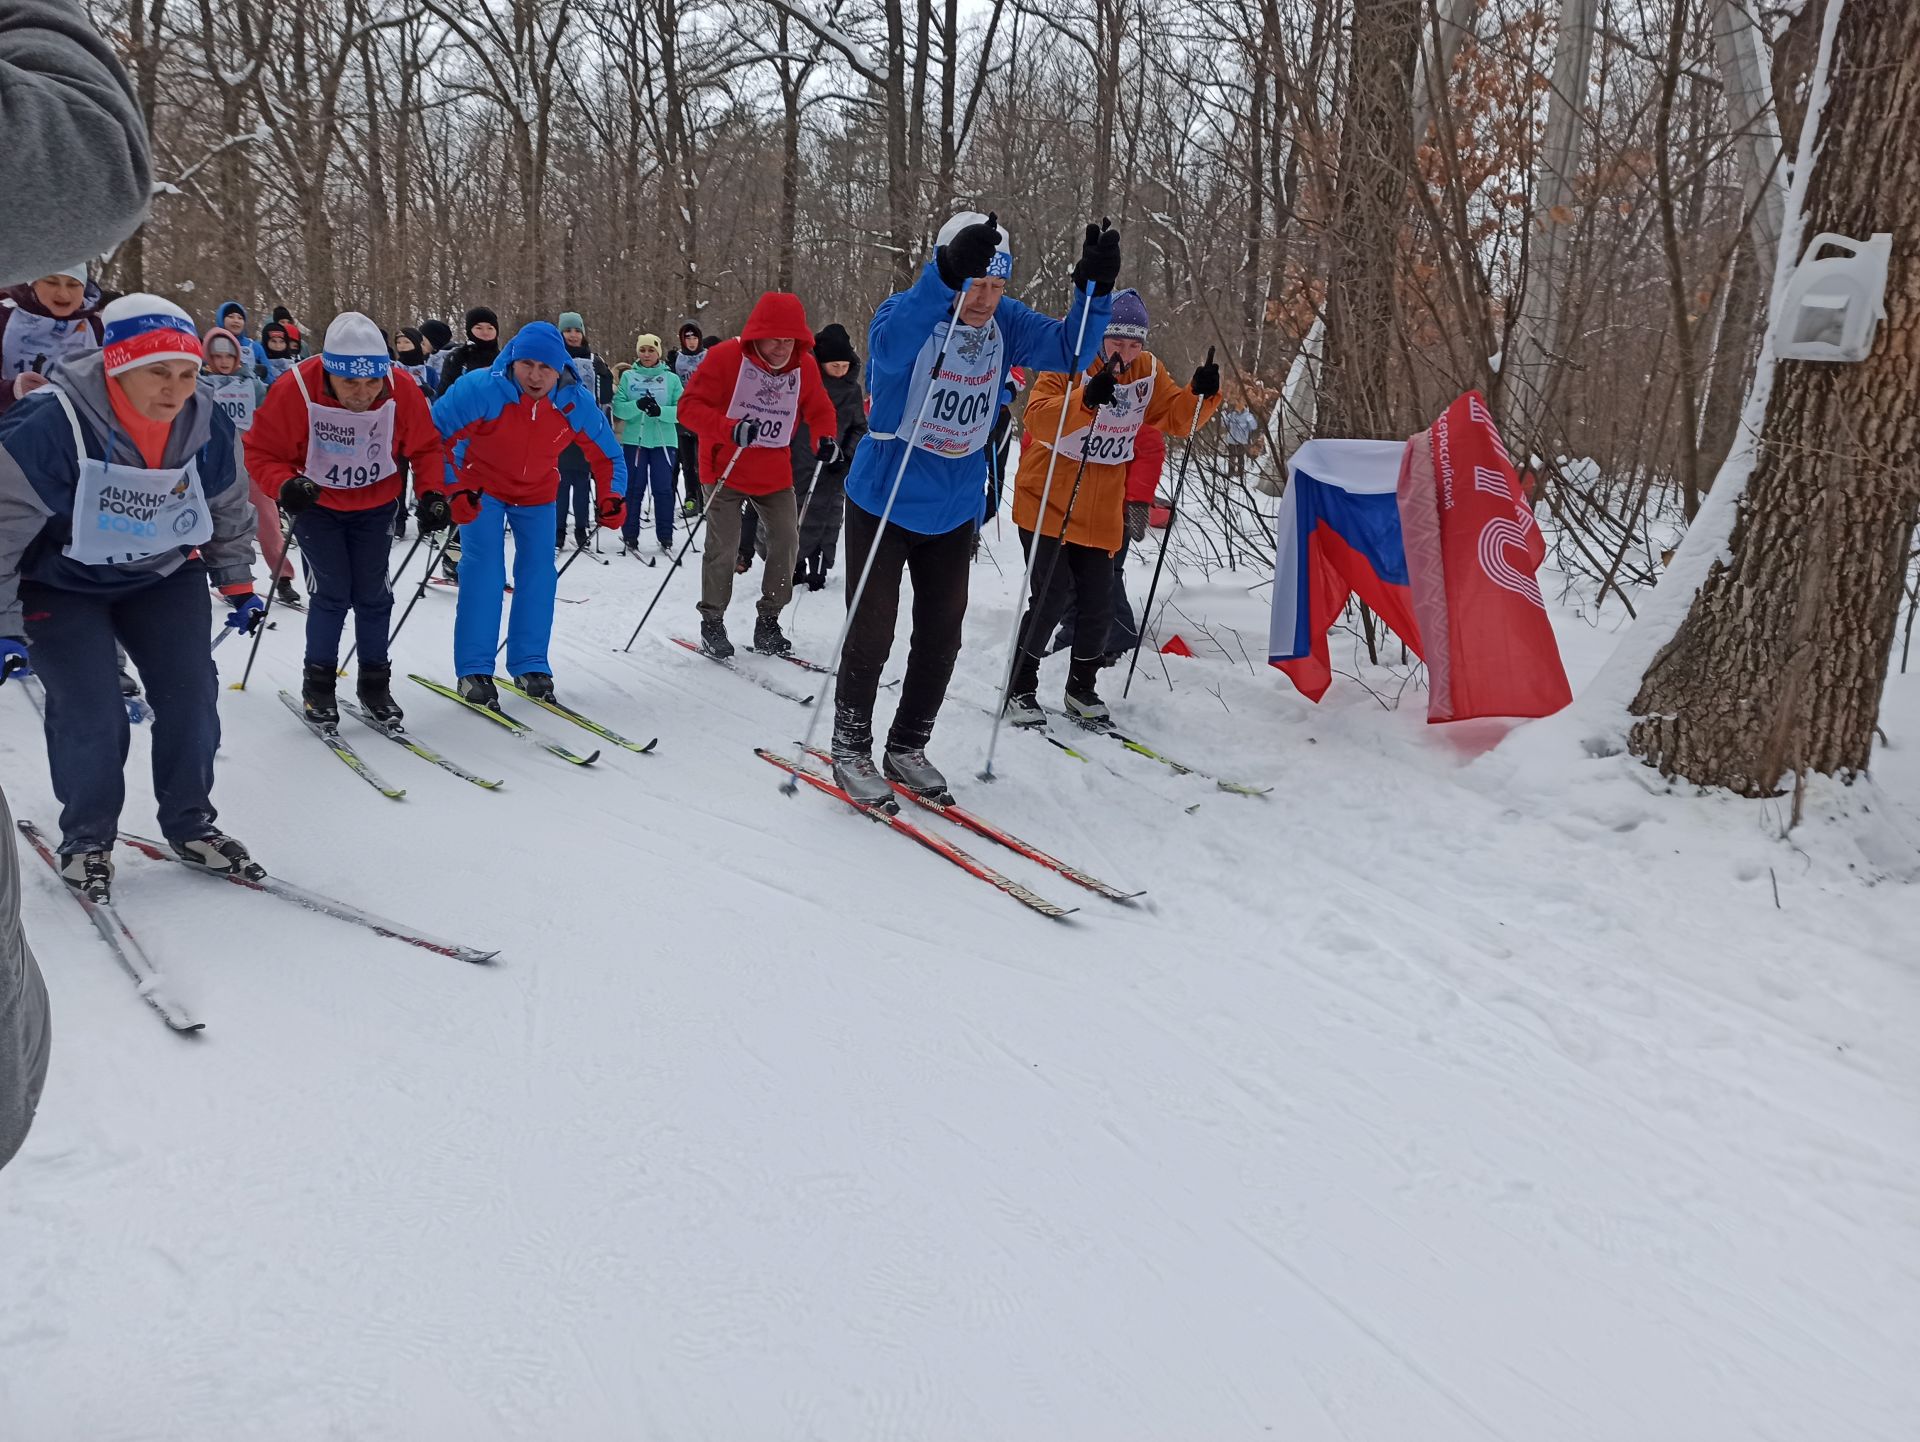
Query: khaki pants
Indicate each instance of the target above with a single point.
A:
(779, 524)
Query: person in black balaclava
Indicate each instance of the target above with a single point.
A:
(478, 352)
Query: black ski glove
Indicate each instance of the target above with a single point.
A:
(1099, 259)
(967, 256)
(1100, 390)
(299, 494)
(1206, 378)
(746, 431)
(432, 512)
(827, 452)
(648, 405)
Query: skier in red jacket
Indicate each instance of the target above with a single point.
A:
(743, 404)
(325, 442)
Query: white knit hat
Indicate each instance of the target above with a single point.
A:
(76, 271)
(1001, 266)
(355, 347)
(140, 330)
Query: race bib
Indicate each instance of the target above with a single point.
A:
(583, 372)
(34, 342)
(772, 400)
(965, 396)
(1109, 440)
(234, 394)
(348, 450)
(126, 513)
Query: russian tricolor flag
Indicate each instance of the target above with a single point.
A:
(1339, 535)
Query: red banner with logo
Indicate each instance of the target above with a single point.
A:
(1490, 648)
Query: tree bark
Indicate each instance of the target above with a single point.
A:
(1780, 663)
(1376, 169)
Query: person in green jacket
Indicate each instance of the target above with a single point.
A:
(645, 406)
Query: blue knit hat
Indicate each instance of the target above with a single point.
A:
(1129, 320)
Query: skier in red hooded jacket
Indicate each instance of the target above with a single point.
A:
(743, 404)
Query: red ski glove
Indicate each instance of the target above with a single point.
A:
(613, 512)
(465, 506)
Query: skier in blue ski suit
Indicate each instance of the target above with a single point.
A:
(505, 429)
(930, 531)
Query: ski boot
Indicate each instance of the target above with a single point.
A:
(375, 690)
(316, 694)
(769, 639)
(450, 566)
(284, 593)
(1083, 702)
(689, 508)
(853, 768)
(713, 637)
(480, 691)
(221, 854)
(537, 684)
(909, 766)
(1023, 709)
(91, 874)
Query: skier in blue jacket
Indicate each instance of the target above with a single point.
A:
(232, 316)
(505, 429)
(930, 531)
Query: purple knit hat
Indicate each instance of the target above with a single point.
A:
(1129, 320)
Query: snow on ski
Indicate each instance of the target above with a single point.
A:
(119, 939)
(1140, 748)
(933, 843)
(585, 723)
(511, 723)
(401, 736)
(764, 683)
(316, 902)
(980, 826)
(330, 736)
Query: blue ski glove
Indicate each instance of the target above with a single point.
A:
(246, 612)
(13, 658)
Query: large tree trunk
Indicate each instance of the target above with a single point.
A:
(1376, 169)
(1780, 663)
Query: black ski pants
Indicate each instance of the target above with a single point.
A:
(1064, 575)
(939, 566)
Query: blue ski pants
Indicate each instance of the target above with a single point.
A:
(483, 579)
(653, 466)
(164, 626)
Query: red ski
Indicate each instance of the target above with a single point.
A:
(927, 839)
(980, 826)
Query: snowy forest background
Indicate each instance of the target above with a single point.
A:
(648, 160)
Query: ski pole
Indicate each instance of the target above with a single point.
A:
(1046, 491)
(286, 544)
(1173, 510)
(578, 552)
(392, 581)
(791, 785)
(692, 531)
(421, 589)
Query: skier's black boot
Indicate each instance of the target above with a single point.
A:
(713, 637)
(316, 694)
(375, 690)
(1083, 700)
(853, 768)
(479, 691)
(537, 684)
(769, 639)
(284, 593)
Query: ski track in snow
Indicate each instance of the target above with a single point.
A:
(1432, 1096)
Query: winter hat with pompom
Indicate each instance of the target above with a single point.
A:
(354, 347)
(141, 329)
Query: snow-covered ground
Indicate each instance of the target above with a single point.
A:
(1435, 1096)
